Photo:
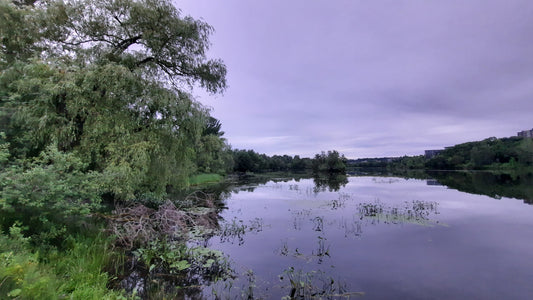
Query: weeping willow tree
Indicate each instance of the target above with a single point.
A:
(110, 82)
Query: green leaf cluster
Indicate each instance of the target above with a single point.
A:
(110, 82)
(54, 181)
(176, 258)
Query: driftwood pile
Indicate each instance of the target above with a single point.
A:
(137, 225)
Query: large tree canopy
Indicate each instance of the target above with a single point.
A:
(147, 36)
(110, 81)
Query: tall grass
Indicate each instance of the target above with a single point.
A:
(75, 273)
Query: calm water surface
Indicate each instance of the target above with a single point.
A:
(375, 238)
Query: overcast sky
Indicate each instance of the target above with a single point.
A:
(369, 78)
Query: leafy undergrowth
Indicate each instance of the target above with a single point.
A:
(76, 272)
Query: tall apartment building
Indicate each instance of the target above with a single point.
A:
(526, 133)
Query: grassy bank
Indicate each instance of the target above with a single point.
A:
(205, 179)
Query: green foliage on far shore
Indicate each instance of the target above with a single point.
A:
(513, 153)
(330, 162)
(490, 154)
(250, 161)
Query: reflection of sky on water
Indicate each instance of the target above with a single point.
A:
(471, 246)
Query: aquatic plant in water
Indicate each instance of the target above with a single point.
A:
(416, 212)
(172, 267)
(314, 285)
(235, 230)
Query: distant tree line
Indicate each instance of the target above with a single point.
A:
(378, 162)
(513, 153)
(251, 161)
(408, 163)
(491, 153)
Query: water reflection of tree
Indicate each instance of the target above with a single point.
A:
(330, 182)
(495, 185)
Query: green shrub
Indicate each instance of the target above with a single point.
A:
(76, 273)
(48, 195)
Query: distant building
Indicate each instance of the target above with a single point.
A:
(432, 153)
(526, 133)
(432, 182)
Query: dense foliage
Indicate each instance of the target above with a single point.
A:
(213, 154)
(491, 153)
(251, 161)
(408, 163)
(332, 162)
(108, 81)
(513, 153)
(95, 103)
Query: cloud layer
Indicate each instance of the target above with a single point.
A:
(370, 78)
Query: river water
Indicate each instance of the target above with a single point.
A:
(373, 237)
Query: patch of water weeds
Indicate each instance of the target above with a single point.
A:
(314, 285)
(177, 270)
(415, 212)
(340, 202)
(235, 230)
(321, 252)
(247, 286)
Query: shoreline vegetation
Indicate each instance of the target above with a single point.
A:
(204, 178)
(97, 125)
(99, 134)
(513, 154)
